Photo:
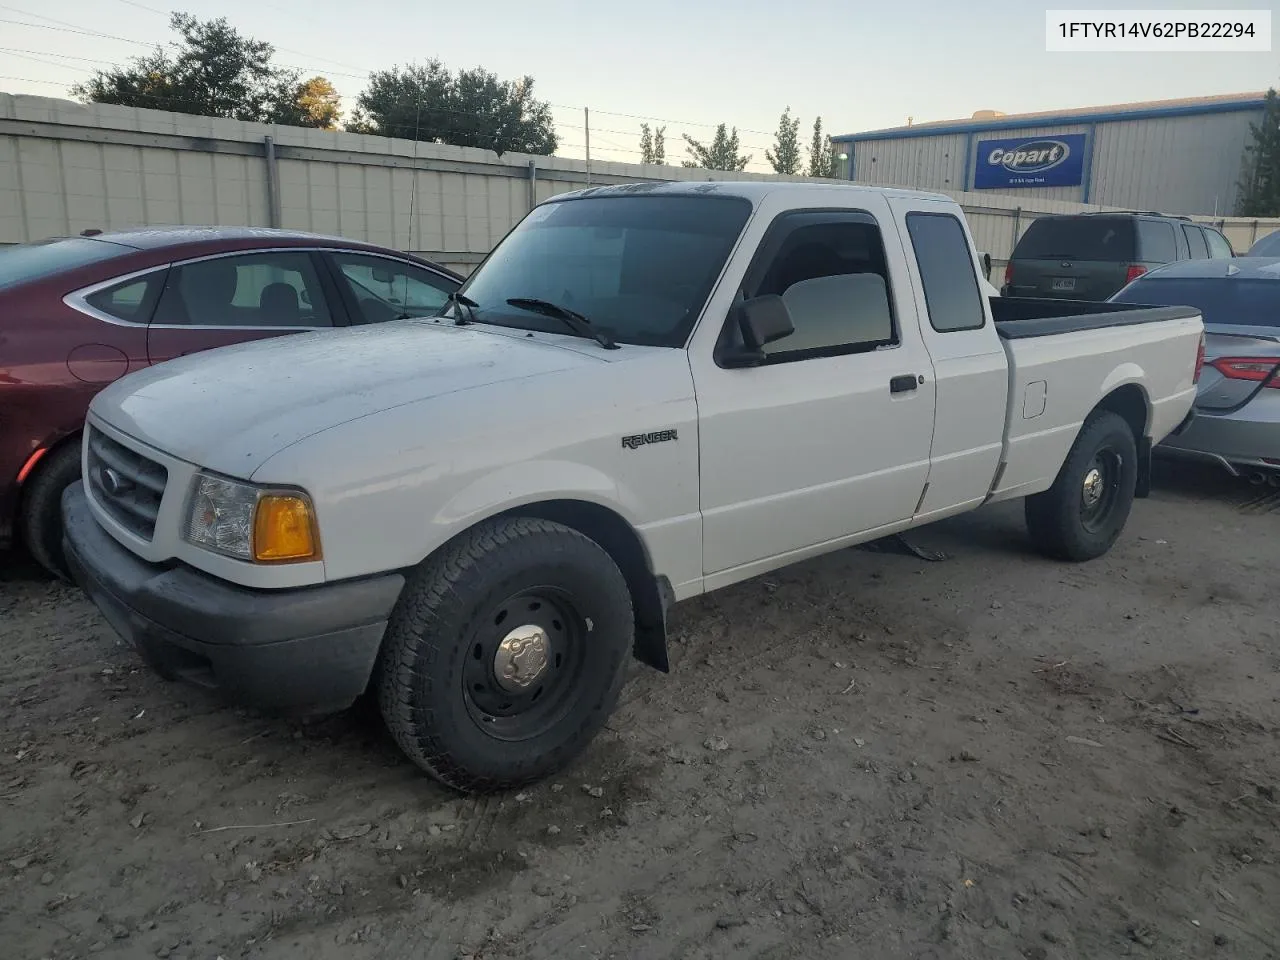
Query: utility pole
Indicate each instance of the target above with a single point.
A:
(586, 125)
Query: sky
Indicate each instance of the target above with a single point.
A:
(689, 64)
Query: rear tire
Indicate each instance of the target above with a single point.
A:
(1082, 514)
(506, 654)
(41, 519)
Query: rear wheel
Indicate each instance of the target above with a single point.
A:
(506, 654)
(1082, 514)
(41, 518)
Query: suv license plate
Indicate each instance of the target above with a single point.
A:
(1064, 283)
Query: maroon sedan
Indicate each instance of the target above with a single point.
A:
(77, 313)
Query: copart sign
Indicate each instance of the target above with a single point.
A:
(1055, 161)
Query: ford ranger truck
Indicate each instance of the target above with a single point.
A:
(645, 392)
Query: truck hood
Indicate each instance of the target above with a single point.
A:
(231, 408)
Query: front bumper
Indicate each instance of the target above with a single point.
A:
(306, 650)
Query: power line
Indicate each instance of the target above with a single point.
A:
(169, 13)
(143, 6)
(72, 28)
(679, 123)
(19, 51)
(66, 27)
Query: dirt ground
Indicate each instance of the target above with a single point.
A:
(867, 755)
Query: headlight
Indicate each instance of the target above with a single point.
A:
(251, 523)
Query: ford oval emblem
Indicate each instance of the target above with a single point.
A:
(1030, 157)
(113, 482)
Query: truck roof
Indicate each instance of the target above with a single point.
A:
(753, 190)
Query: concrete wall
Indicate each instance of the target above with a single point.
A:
(1180, 165)
(66, 167)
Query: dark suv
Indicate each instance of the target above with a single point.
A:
(1090, 256)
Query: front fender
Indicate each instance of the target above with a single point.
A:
(536, 481)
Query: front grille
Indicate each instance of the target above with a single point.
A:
(125, 483)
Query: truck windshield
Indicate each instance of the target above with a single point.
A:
(1077, 238)
(1220, 300)
(639, 267)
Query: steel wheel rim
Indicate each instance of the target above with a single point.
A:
(505, 695)
(1100, 488)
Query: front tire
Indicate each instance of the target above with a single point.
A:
(41, 517)
(506, 654)
(1082, 514)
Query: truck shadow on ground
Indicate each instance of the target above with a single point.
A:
(17, 567)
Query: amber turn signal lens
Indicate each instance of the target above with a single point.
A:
(284, 530)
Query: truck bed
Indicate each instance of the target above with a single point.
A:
(1055, 379)
(1020, 317)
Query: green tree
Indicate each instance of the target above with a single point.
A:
(785, 155)
(822, 153)
(1260, 180)
(470, 108)
(721, 155)
(214, 71)
(653, 145)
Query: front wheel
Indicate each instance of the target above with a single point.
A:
(41, 516)
(506, 654)
(1082, 514)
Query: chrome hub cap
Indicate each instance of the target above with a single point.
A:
(1093, 486)
(521, 658)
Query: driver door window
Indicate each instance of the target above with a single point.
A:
(391, 289)
(832, 277)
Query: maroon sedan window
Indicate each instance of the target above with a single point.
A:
(31, 261)
(130, 300)
(389, 289)
(279, 288)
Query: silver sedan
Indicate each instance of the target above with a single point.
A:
(1237, 422)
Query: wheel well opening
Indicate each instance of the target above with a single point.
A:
(51, 451)
(1130, 402)
(622, 543)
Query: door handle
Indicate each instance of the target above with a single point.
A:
(905, 382)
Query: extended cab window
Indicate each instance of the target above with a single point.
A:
(830, 270)
(638, 265)
(279, 288)
(950, 282)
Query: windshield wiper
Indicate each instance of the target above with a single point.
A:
(572, 319)
(460, 300)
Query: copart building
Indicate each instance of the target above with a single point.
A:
(1173, 156)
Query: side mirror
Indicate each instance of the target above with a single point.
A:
(762, 320)
(986, 265)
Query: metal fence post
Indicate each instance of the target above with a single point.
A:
(533, 184)
(273, 182)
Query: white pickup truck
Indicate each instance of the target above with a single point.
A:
(644, 393)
